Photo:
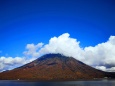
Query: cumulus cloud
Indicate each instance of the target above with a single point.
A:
(104, 68)
(8, 63)
(32, 50)
(101, 56)
(64, 45)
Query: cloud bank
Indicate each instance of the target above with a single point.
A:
(101, 56)
(8, 63)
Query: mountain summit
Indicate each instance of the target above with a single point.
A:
(53, 67)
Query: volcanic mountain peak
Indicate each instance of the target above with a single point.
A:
(52, 56)
(55, 59)
(54, 67)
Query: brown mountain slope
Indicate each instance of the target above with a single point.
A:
(53, 67)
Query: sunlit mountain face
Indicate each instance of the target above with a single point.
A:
(54, 67)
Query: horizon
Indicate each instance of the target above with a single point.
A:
(83, 29)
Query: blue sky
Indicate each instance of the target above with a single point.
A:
(24, 22)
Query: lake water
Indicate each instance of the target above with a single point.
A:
(68, 83)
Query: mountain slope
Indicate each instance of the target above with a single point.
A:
(53, 67)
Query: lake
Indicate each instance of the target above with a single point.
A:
(65, 83)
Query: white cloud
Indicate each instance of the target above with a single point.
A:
(101, 56)
(8, 63)
(64, 45)
(112, 69)
(101, 68)
(32, 51)
(104, 68)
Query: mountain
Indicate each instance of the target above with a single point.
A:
(54, 67)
